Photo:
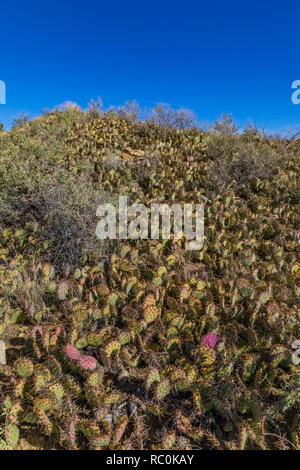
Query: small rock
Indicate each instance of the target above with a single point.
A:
(2, 353)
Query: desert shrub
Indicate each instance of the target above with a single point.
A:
(235, 161)
(67, 212)
(24, 289)
(68, 106)
(26, 164)
(95, 108)
(251, 132)
(150, 130)
(64, 208)
(130, 110)
(35, 184)
(21, 120)
(165, 116)
(225, 125)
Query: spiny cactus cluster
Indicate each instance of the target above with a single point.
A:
(156, 347)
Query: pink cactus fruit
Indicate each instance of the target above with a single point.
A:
(209, 340)
(72, 352)
(87, 363)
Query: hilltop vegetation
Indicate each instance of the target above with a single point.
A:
(142, 344)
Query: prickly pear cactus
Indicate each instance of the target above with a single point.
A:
(147, 345)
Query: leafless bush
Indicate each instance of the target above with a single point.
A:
(130, 110)
(251, 130)
(67, 211)
(95, 107)
(20, 121)
(165, 116)
(224, 126)
(68, 106)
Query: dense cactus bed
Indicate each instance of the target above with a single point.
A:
(143, 344)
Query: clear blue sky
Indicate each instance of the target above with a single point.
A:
(211, 56)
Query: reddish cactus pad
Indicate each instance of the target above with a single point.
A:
(87, 363)
(209, 340)
(72, 352)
